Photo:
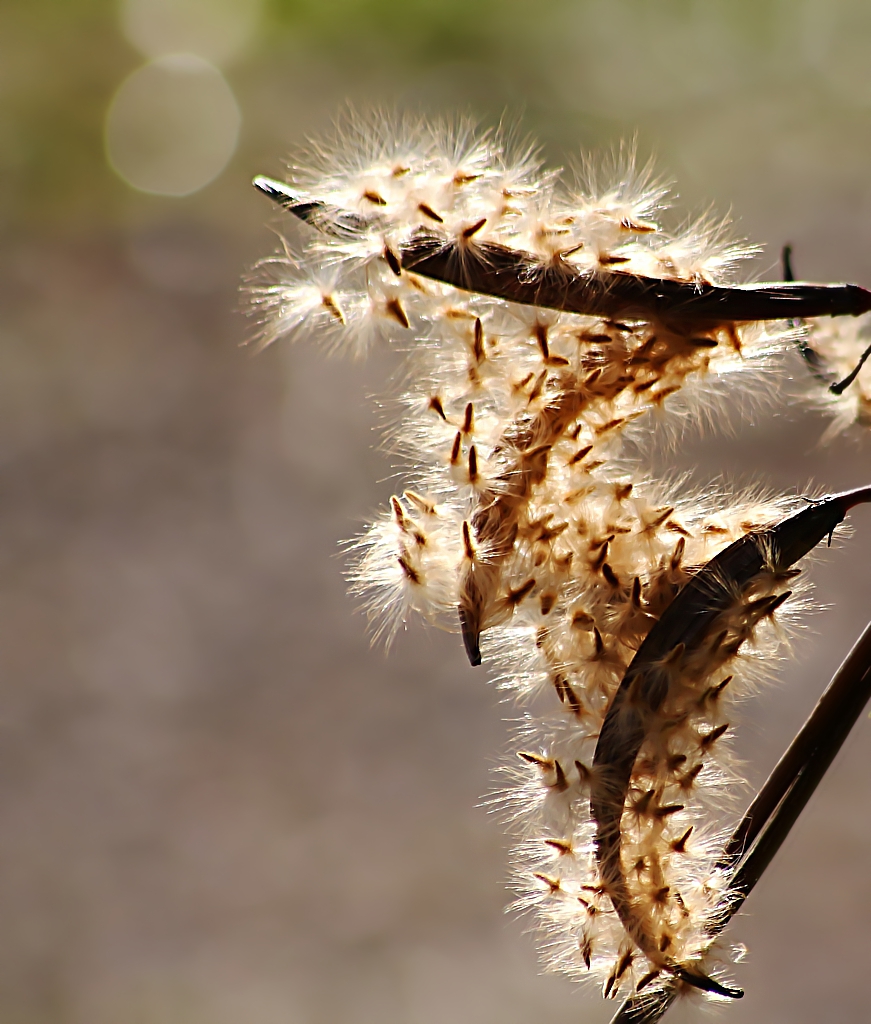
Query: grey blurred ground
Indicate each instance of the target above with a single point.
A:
(217, 804)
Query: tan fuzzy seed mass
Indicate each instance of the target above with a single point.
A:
(526, 527)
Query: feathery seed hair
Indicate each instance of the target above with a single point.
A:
(544, 325)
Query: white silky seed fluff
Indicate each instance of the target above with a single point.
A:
(522, 512)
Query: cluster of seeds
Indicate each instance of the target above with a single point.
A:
(526, 526)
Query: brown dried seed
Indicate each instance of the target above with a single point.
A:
(375, 198)
(398, 512)
(624, 964)
(560, 845)
(455, 449)
(706, 742)
(641, 805)
(469, 419)
(392, 261)
(408, 569)
(587, 952)
(718, 689)
(660, 518)
(435, 403)
(766, 606)
(667, 810)
(687, 781)
(427, 507)
(428, 211)
(733, 336)
(612, 260)
(674, 527)
(514, 597)
(610, 576)
(646, 980)
(473, 465)
(562, 782)
(567, 695)
(539, 332)
(473, 229)
(478, 348)
(521, 384)
(679, 845)
(467, 542)
(580, 454)
(611, 425)
(538, 386)
(638, 227)
(539, 760)
(394, 309)
(330, 304)
(582, 620)
(599, 560)
(660, 396)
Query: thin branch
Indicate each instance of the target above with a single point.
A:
(842, 385)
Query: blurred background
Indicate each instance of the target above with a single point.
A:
(217, 803)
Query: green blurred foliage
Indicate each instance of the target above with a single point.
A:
(727, 93)
(419, 31)
(60, 61)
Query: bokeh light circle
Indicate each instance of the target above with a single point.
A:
(215, 29)
(172, 125)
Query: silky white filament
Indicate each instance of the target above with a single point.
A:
(524, 524)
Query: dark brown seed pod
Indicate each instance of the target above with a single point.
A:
(682, 629)
(518, 276)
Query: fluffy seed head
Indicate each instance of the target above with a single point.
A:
(527, 527)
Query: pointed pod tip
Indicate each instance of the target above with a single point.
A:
(850, 499)
(471, 637)
(277, 191)
(708, 984)
(287, 197)
(473, 651)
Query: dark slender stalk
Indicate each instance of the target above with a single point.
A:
(842, 385)
(831, 722)
(824, 726)
(779, 804)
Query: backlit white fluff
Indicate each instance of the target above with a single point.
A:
(524, 524)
